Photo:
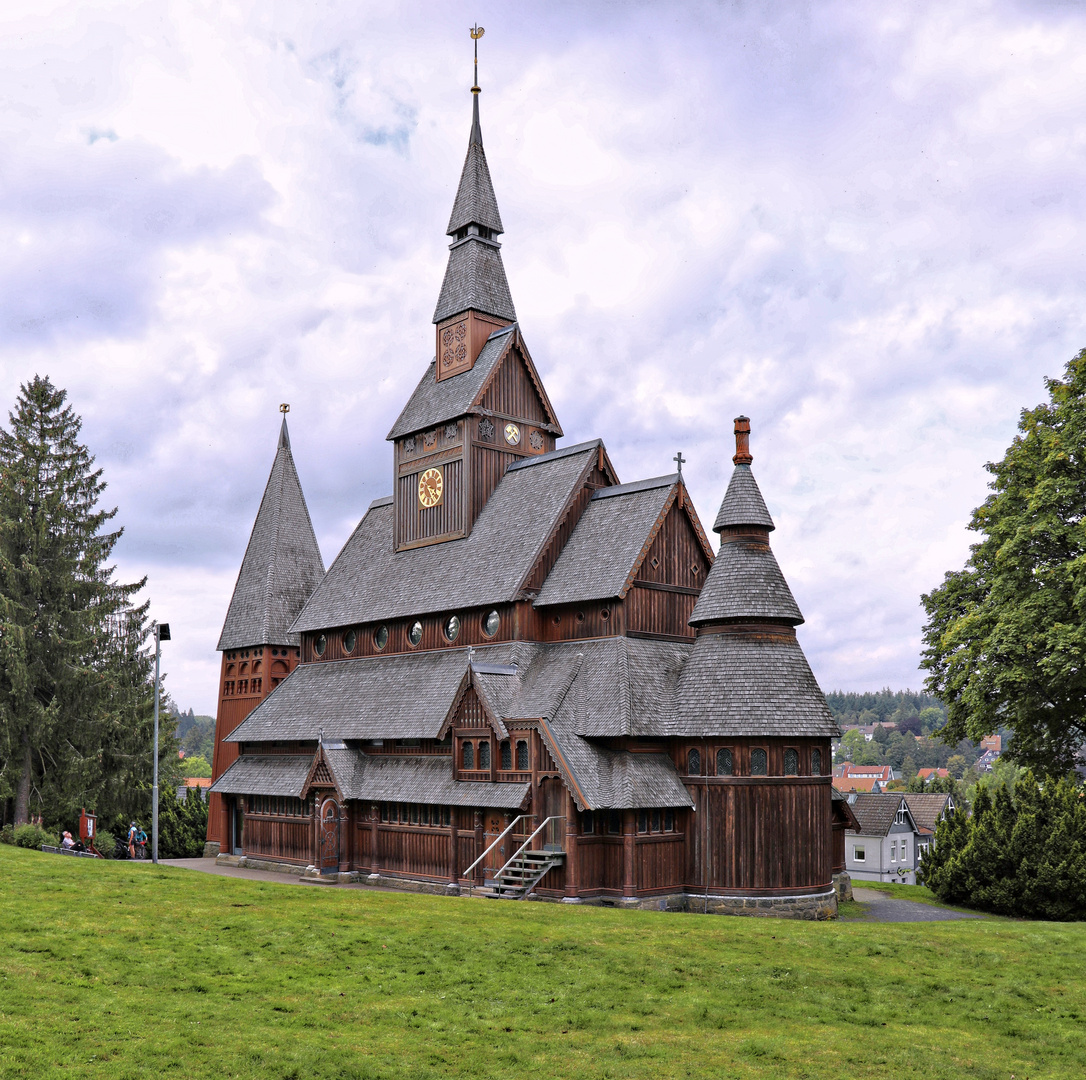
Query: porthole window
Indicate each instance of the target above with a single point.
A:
(725, 766)
(320, 645)
(491, 624)
(758, 764)
(380, 637)
(522, 755)
(484, 755)
(468, 756)
(506, 755)
(414, 635)
(605, 614)
(693, 763)
(816, 762)
(580, 616)
(791, 762)
(452, 627)
(350, 640)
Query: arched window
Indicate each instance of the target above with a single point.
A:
(693, 763)
(506, 754)
(791, 762)
(758, 765)
(522, 754)
(484, 755)
(724, 764)
(816, 762)
(468, 755)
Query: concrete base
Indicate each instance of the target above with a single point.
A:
(842, 885)
(211, 849)
(243, 862)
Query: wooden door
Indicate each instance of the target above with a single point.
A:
(329, 857)
(552, 802)
(493, 824)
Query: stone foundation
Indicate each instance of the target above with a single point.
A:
(842, 885)
(211, 849)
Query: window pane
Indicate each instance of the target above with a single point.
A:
(757, 762)
(484, 755)
(522, 755)
(858, 854)
(791, 762)
(816, 762)
(656, 821)
(469, 756)
(724, 766)
(588, 823)
(693, 763)
(614, 824)
(642, 822)
(507, 755)
(669, 821)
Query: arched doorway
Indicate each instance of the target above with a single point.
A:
(329, 835)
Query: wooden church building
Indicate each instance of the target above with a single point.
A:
(521, 676)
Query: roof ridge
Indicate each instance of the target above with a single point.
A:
(636, 485)
(554, 455)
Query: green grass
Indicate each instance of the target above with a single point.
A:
(920, 893)
(123, 971)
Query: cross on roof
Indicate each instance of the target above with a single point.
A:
(680, 460)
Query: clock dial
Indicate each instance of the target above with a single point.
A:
(431, 487)
(512, 434)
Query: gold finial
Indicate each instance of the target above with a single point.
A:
(284, 408)
(476, 32)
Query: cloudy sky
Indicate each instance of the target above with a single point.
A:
(858, 223)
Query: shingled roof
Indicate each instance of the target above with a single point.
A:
(745, 582)
(282, 564)
(370, 580)
(475, 203)
(741, 684)
(743, 503)
(927, 807)
(260, 774)
(876, 813)
(605, 548)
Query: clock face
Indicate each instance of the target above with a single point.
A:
(431, 487)
(512, 434)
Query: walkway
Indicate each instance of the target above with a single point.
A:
(210, 866)
(883, 908)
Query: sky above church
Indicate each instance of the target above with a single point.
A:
(859, 224)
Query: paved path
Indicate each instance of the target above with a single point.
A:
(883, 908)
(210, 866)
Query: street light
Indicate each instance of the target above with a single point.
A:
(162, 633)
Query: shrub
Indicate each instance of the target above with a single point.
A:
(106, 844)
(1022, 854)
(33, 836)
(7, 834)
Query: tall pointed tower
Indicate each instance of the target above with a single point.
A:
(481, 405)
(281, 568)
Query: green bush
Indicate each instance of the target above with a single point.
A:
(1022, 855)
(106, 844)
(33, 836)
(7, 834)
(182, 826)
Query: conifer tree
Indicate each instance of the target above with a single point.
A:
(75, 677)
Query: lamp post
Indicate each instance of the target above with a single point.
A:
(162, 633)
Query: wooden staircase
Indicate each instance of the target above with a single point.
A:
(522, 874)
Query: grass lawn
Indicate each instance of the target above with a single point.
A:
(120, 970)
(919, 893)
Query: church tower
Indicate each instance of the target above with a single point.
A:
(281, 568)
(481, 405)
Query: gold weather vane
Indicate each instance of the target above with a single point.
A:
(476, 32)
(284, 408)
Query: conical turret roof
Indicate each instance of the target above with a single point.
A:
(743, 503)
(282, 564)
(475, 277)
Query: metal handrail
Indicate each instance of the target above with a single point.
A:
(546, 822)
(501, 836)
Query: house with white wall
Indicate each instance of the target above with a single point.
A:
(885, 849)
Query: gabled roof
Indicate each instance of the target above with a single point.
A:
(742, 684)
(606, 549)
(743, 503)
(282, 564)
(434, 402)
(876, 813)
(842, 810)
(927, 807)
(370, 580)
(745, 582)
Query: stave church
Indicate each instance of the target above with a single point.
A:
(522, 677)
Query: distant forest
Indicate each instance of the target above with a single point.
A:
(896, 705)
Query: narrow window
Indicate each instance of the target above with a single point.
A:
(507, 755)
(484, 755)
(614, 823)
(588, 823)
(384, 812)
(858, 854)
(791, 762)
(724, 763)
(642, 822)
(903, 850)
(656, 821)
(669, 821)
(893, 853)
(693, 763)
(469, 756)
(522, 755)
(758, 764)
(816, 762)
(414, 808)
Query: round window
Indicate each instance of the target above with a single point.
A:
(414, 635)
(491, 624)
(380, 637)
(605, 614)
(350, 640)
(320, 645)
(452, 627)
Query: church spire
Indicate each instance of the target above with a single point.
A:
(475, 277)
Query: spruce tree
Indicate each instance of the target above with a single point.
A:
(75, 677)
